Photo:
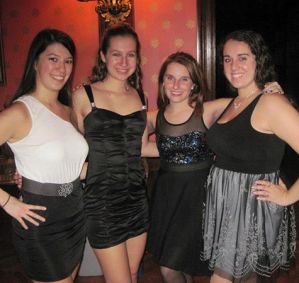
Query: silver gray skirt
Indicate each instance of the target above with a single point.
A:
(241, 234)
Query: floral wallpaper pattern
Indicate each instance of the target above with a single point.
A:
(163, 27)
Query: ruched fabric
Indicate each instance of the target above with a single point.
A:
(115, 198)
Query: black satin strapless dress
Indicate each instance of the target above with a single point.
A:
(115, 197)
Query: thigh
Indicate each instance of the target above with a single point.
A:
(135, 249)
(114, 262)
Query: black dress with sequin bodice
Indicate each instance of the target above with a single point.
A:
(115, 197)
(175, 235)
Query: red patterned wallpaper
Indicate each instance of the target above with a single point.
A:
(163, 27)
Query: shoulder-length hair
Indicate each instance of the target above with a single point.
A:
(265, 70)
(199, 90)
(99, 72)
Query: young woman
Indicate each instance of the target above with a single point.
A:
(49, 154)
(111, 112)
(243, 236)
(180, 124)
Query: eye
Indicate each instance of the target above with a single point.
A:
(243, 58)
(132, 55)
(227, 60)
(168, 78)
(185, 79)
(53, 59)
(69, 61)
(116, 54)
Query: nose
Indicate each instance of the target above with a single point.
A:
(234, 64)
(124, 61)
(62, 67)
(176, 83)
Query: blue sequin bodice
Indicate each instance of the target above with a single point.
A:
(187, 149)
(183, 144)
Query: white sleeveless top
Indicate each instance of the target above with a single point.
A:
(53, 151)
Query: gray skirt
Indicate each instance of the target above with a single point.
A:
(241, 234)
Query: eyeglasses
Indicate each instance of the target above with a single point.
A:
(182, 81)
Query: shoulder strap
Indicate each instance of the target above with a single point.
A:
(89, 94)
(228, 105)
(143, 100)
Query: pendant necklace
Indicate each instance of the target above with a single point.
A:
(237, 104)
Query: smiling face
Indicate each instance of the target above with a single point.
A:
(239, 65)
(53, 67)
(121, 57)
(177, 83)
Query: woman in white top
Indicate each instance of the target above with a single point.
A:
(49, 230)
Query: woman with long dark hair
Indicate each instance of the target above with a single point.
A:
(49, 153)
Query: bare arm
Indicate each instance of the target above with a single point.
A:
(282, 120)
(15, 124)
(213, 109)
(149, 148)
(80, 108)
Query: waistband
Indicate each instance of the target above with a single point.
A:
(184, 167)
(247, 166)
(50, 189)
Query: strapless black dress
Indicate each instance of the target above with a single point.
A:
(115, 197)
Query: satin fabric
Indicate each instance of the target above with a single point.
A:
(115, 195)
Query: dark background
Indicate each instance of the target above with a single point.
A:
(278, 22)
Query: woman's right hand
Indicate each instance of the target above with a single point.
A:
(22, 211)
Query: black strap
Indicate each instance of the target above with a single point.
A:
(143, 100)
(89, 94)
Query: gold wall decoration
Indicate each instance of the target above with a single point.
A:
(114, 11)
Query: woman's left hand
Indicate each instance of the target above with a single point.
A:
(267, 191)
(273, 87)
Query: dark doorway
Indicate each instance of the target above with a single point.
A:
(278, 22)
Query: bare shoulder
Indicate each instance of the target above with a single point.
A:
(15, 122)
(273, 99)
(219, 103)
(16, 112)
(79, 94)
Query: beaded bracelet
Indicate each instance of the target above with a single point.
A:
(6, 201)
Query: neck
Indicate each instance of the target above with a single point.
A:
(46, 97)
(178, 107)
(249, 91)
(116, 85)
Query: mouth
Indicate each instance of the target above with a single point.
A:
(58, 78)
(237, 76)
(122, 71)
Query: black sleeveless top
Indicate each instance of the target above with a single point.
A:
(239, 147)
(183, 147)
(114, 145)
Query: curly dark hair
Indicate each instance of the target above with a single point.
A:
(39, 44)
(265, 70)
(200, 89)
(99, 72)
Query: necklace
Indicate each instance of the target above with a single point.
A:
(237, 104)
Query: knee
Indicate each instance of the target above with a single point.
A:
(134, 272)
(168, 274)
